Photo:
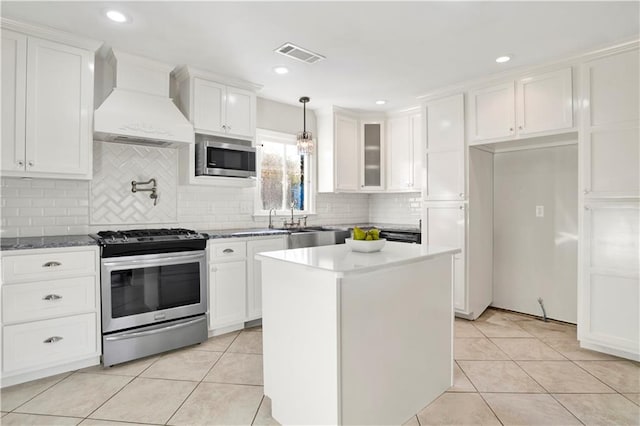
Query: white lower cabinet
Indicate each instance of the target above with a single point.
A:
(254, 273)
(445, 225)
(50, 312)
(235, 281)
(227, 293)
(609, 320)
(45, 343)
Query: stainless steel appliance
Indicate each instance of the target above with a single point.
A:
(401, 235)
(154, 291)
(224, 158)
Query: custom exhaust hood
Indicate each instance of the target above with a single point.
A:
(134, 105)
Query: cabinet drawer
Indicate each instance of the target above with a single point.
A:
(46, 299)
(228, 251)
(48, 265)
(44, 343)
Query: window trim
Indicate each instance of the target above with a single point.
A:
(309, 175)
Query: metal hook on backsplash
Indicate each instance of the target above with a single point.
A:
(153, 189)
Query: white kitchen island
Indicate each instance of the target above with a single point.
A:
(356, 338)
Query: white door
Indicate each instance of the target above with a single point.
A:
(347, 153)
(417, 154)
(240, 113)
(444, 225)
(610, 293)
(545, 102)
(227, 293)
(14, 72)
(611, 126)
(254, 274)
(59, 108)
(492, 113)
(208, 106)
(445, 149)
(399, 155)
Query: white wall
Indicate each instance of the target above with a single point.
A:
(536, 256)
(285, 118)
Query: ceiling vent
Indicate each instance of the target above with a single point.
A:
(298, 53)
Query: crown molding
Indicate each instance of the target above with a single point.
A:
(51, 34)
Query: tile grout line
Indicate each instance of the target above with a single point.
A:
(109, 399)
(200, 382)
(597, 378)
(253, 420)
(44, 390)
(563, 406)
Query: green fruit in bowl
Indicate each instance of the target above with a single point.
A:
(369, 237)
(359, 234)
(375, 233)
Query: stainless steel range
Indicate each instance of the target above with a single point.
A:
(154, 291)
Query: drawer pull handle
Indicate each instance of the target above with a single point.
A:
(51, 264)
(227, 250)
(52, 297)
(52, 339)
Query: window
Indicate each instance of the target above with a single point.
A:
(284, 176)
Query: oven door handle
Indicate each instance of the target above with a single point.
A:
(153, 261)
(154, 331)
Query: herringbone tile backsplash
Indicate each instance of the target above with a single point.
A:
(115, 166)
(36, 207)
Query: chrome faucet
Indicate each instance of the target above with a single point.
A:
(275, 213)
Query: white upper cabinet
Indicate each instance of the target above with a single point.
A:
(214, 106)
(59, 107)
(445, 176)
(492, 112)
(347, 154)
(47, 104)
(372, 156)
(545, 102)
(240, 112)
(14, 74)
(536, 105)
(208, 105)
(611, 126)
(404, 152)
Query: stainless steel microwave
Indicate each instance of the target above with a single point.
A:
(215, 158)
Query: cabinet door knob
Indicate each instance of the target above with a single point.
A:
(51, 264)
(20, 163)
(52, 297)
(461, 207)
(224, 127)
(511, 129)
(461, 195)
(227, 250)
(52, 339)
(586, 191)
(31, 163)
(520, 127)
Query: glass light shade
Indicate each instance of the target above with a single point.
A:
(305, 143)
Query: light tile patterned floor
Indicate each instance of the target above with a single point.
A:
(510, 369)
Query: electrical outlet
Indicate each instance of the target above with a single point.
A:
(539, 211)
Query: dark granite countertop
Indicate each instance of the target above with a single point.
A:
(54, 241)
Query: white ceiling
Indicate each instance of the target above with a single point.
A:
(375, 50)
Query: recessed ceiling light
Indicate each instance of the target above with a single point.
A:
(381, 102)
(503, 59)
(281, 70)
(116, 16)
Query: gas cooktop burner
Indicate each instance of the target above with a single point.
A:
(146, 235)
(137, 242)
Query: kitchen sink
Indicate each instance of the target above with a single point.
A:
(308, 237)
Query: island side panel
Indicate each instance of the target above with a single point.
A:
(396, 341)
(300, 343)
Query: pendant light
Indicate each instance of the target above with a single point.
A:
(304, 139)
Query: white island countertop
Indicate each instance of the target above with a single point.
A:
(340, 259)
